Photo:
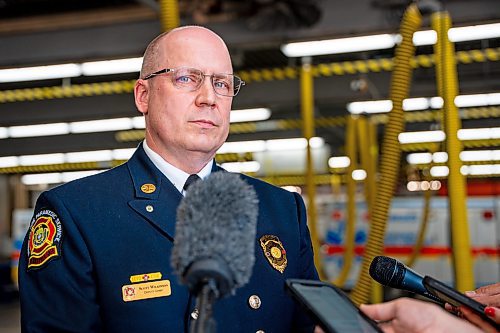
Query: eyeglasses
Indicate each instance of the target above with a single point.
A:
(190, 79)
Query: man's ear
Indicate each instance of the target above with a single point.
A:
(141, 94)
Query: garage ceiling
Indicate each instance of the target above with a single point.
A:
(40, 32)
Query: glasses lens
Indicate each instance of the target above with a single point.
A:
(187, 78)
(223, 84)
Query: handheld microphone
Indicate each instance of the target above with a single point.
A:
(392, 273)
(214, 247)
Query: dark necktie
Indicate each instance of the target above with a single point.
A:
(191, 179)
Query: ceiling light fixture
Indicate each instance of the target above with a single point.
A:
(40, 73)
(421, 136)
(244, 115)
(386, 41)
(38, 130)
(117, 66)
(423, 103)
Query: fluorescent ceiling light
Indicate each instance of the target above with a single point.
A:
(386, 41)
(339, 162)
(293, 144)
(439, 171)
(128, 65)
(89, 156)
(419, 158)
(479, 133)
(436, 102)
(42, 178)
(257, 114)
(340, 45)
(9, 161)
(123, 154)
(38, 130)
(39, 73)
(249, 166)
(103, 125)
(26, 160)
(411, 104)
(484, 169)
(369, 107)
(242, 147)
(422, 136)
(474, 32)
(480, 155)
(358, 174)
(55, 177)
(423, 103)
(4, 133)
(73, 175)
(425, 37)
(316, 142)
(440, 157)
(139, 122)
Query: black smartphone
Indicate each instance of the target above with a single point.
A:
(330, 307)
(456, 298)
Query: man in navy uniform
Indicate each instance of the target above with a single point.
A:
(96, 246)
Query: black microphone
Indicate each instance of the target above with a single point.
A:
(392, 273)
(214, 247)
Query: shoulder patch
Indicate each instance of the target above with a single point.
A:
(44, 239)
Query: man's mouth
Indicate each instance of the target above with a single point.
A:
(204, 123)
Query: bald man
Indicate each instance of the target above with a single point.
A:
(97, 247)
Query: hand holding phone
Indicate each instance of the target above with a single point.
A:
(456, 298)
(330, 307)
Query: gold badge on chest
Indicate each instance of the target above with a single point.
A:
(274, 252)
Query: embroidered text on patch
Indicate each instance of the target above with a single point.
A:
(44, 239)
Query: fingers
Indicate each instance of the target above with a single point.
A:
(490, 300)
(489, 295)
(380, 312)
(492, 289)
(477, 320)
(493, 313)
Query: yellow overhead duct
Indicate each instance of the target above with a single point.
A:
(391, 153)
(447, 83)
(169, 14)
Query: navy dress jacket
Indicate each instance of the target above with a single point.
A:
(97, 259)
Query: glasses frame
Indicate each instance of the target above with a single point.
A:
(172, 70)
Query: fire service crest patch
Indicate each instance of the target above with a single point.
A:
(44, 238)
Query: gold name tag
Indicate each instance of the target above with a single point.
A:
(135, 292)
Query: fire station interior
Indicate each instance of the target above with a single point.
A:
(342, 123)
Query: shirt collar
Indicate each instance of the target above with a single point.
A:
(175, 175)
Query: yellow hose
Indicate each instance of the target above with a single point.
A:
(389, 165)
(169, 14)
(307, 110)
(447, 83)
(350, 148)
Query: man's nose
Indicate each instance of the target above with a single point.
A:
(206, 93)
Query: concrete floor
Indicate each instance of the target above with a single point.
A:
(10, 317)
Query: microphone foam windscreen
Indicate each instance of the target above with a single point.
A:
(217, 219)
(382, 269)
(387, 271)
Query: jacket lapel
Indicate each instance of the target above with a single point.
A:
(156, 198)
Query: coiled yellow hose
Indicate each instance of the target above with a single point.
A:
(391, 152)
(169, 14)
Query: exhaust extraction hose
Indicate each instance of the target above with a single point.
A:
(391, 151)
